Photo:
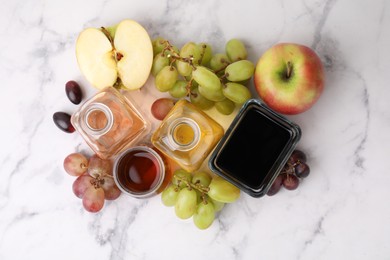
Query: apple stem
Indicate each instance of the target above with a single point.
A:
(118, 56)
(289, 69)
(108, 35)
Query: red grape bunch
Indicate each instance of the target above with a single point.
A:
(94, 183)
(294, 170)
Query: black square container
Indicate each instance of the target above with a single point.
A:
(255, 148)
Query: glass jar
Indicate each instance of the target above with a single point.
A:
(187, 135)
(109, 122)
(255, 148)
(141, 172)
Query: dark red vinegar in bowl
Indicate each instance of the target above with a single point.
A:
(139, 171)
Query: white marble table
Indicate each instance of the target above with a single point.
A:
(341, 211)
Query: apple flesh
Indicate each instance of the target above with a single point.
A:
(117, 56)
(289, 78)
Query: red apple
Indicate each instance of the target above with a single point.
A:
(289, 78)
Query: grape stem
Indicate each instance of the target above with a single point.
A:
(188, 86)
(98, 181)
(197, 186)
(176, 56)
(223, 77)
(169, 47)
(291, 168)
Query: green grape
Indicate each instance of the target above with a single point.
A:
(225, 107)
(189, 49)
(235, 50)
(210, 94)
(207, 53)
(202, 178)
(158, 45)
(183, 68)
(236, 92)
(179, 89)
(200, 101)
(166, 78)
(218, 206)
(185, 205)
(219, 61)
(206, 78)
(240, 70)
(159, 62)
(204, 216)
(169, 196)
(184, 175)
(223, 191)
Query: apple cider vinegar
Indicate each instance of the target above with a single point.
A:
(187, 135)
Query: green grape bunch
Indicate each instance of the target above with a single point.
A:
(206, 79)
(198, 195)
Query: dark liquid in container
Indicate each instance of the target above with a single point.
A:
(138, 171)
(253, 148)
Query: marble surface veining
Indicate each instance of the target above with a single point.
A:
(340, 211)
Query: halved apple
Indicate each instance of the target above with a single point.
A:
(121, 55)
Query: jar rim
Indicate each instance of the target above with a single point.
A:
(194, 127)
(108, 115)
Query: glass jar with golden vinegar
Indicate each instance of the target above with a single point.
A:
(187, 135)
(109, 123)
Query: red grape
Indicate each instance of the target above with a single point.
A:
(93, 199)
(62, 121)
(290, 181)
(161, 107)
(298, 156)
(81, 184)
(111, 191)
(99, 167)
(302, 170)
(75, 164)
(73, 91)
(275, 187)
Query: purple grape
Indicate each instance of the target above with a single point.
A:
(302, 170)
(62, 121)
(275, 187)
(298, 156)
(290, 182)
(73, 91)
